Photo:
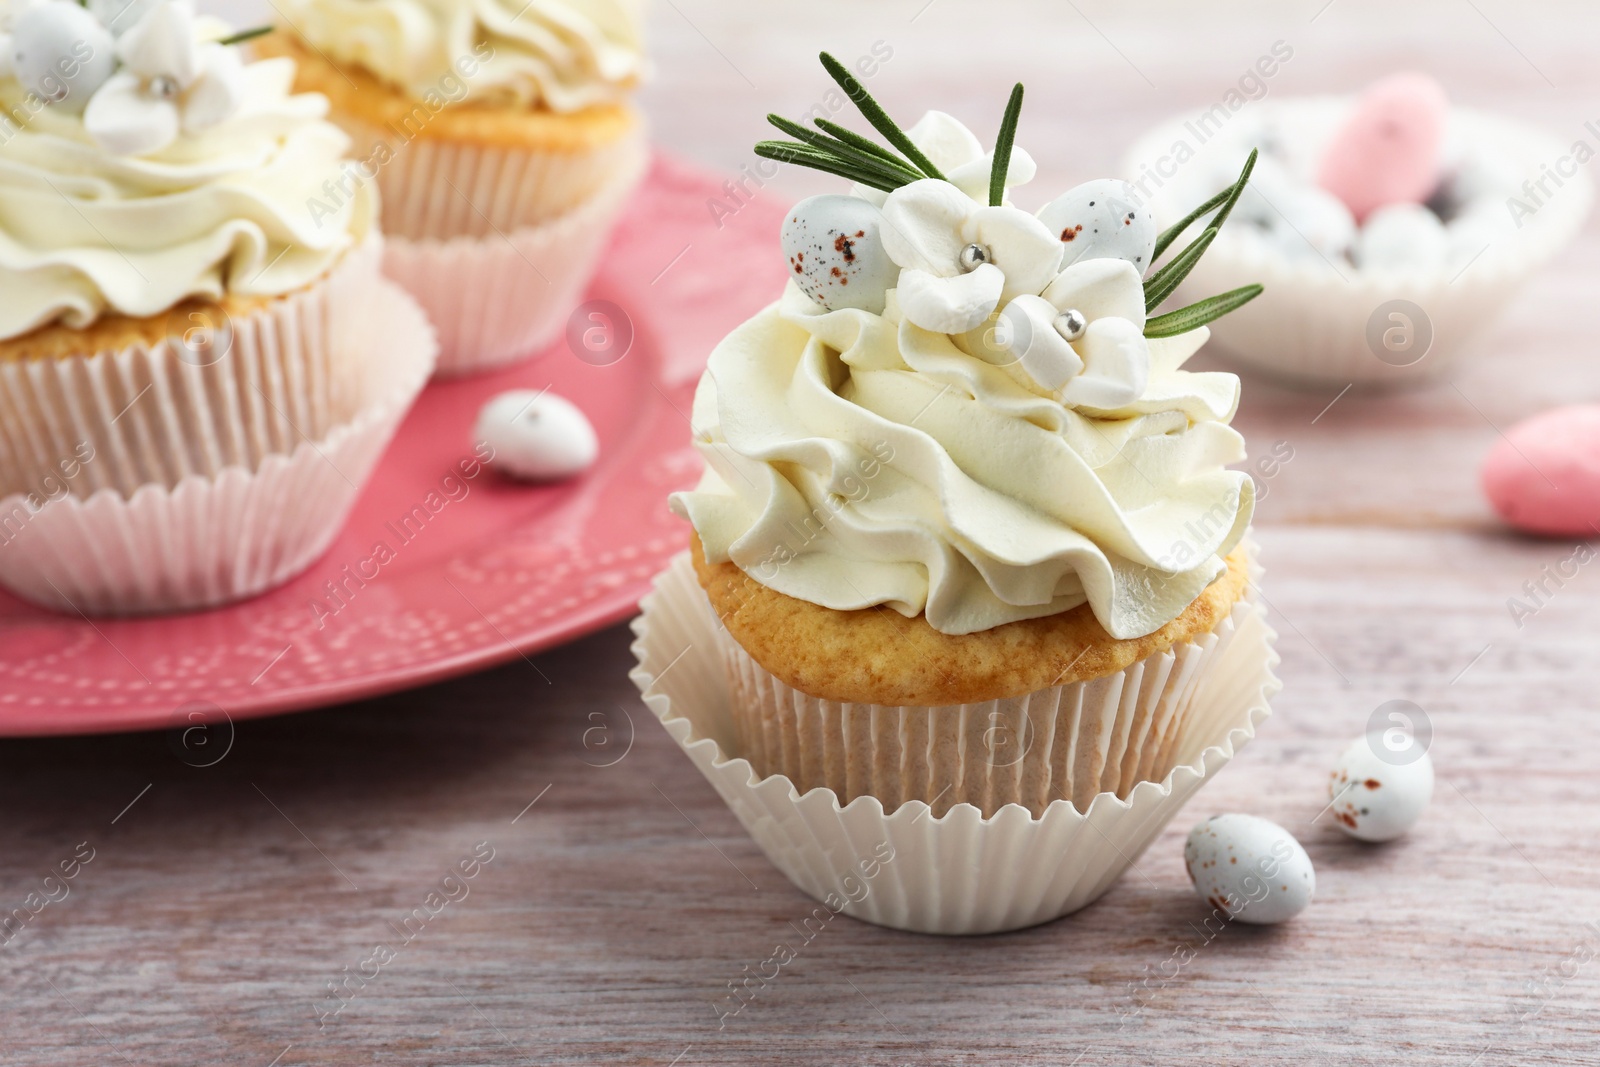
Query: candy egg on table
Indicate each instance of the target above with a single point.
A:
(1249, 868)
(834, 245)
(1543, 474)
(1389, 149)
(61, 52)
(1376, 796)
(536, 436)
(1102, 219)
(1402, 237)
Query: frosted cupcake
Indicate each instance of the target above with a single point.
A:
(967, 541)
(1390, 227)
(503, 138)
(195, 374)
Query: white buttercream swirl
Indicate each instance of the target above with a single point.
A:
(856, 460)
(563, 54)
(84, 232)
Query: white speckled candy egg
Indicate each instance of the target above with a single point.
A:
(1249, 868)
(536, 436)
(1102, 219)
(1402, 237)
(1378, 799)
(834, 245)
(62, 53)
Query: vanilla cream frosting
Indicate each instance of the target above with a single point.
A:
(229, 210)
(562, 54)
(856, 460)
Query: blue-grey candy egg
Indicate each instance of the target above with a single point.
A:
(834, 245)
(61, 53)
(1102, 219)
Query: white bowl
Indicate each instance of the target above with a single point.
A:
(1325, 322)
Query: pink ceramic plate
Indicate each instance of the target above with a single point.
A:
(483, 569)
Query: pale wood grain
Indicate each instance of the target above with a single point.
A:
(207, 926)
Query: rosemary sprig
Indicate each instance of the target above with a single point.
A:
(873, 112)
(247, 35)
(1201, 312)
(846, 153)
(1230, 194)
(883, 165)
(1002, 148)
(1163, 282)
(806, 156)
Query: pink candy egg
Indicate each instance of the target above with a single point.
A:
(1387, 151)
(1543, 476)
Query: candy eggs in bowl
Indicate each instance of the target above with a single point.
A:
(1389, 227)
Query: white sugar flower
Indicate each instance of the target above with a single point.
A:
(1083, 337)
(169, 82)
(959, 259)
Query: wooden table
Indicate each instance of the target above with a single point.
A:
(221, 902)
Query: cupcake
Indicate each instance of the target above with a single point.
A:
(196, 374)
(503, 138)
(966, 536)
(1390, 228)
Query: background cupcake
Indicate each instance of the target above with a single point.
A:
(966, 522)
(502, 136)
(218, 366)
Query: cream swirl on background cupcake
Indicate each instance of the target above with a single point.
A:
(560, 54)
(84, 232)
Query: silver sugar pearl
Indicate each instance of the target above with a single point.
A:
(164, 87)
(973, 257)
(1071, 324)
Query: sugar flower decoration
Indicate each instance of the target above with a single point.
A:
(958, 259)
(170, 82)
(1084, 335)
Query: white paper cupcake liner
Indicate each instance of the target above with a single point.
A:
(238, 392)
(436, 189)
(1068, 742)
(501, 298)
(955, 873)
(217, 537)
(1312, 326)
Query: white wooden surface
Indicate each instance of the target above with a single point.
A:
(220, 905)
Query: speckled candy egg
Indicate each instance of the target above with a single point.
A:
(1402, 237)
(62, 53)
(1543, 474)
(1378, 799)
(1388, 151)
(536, 436)
(1249, 868)
(834, 245)
(1102, 219)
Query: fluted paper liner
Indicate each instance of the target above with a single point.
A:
(264, 382)
(434, 188)
(217, 537)
(1310, 325)
(501, 297)
(956, 872)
